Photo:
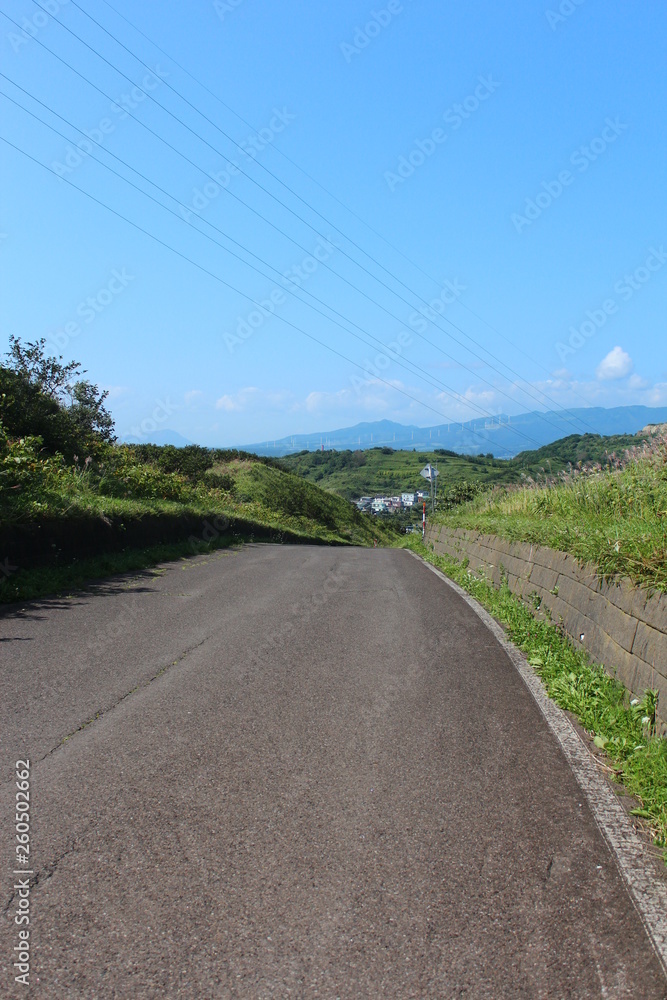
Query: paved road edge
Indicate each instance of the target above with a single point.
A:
(648, 896)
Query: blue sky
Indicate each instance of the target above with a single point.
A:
(511, 154)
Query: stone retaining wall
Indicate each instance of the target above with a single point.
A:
(619, 625)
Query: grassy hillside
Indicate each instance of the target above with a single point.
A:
(614, 518)
(122, 481)
(352, 474)
(70, 494)
(124, 486)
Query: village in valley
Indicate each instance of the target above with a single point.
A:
(391, 505)
(404, 501)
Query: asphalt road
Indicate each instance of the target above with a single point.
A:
(310, 772)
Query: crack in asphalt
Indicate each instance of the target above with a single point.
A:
(102, 712)
(138, 687)
(43, 874)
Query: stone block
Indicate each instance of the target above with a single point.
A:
(650, 645)
(517, 567)
(575, 594)
(623, 595)
(616, 661)
(543, 577)
(598, 608)
(523, 551)
(645, 678)
(653, 611)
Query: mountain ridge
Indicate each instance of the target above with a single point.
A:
(503, 436)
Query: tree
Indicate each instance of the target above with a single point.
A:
(41, 395)
(47, 374)
(88, 411)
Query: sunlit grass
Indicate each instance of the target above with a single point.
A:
(615, 519)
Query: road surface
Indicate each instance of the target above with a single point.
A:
(297, 772)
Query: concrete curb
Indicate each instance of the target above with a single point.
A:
(648, 896)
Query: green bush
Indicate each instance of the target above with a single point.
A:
(122, 478)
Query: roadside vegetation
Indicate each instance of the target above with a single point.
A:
(614, 517)
(622, 728)
(59, 461)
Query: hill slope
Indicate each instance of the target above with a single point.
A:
(352, 474)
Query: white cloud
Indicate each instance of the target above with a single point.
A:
(193, 396)
(228, 403)
(239, 400)
(116, 391)
(617, 364)
(656, 395)
(252, 396)
(249, 413)
(373, 397)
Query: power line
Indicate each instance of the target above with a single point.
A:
(414, 369)
(295, 194)
(329, 193)
(233, 288)
(279, 201)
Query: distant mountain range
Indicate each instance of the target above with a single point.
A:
(503, 436)
(159, 437)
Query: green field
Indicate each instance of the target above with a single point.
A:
(352, 474)
(133, 481)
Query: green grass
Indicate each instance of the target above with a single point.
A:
(44, 581)
(34, 487)
(616, 519)
(352, 474)
(624, 731)
(257, 496)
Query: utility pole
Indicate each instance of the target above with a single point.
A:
(431, 474)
